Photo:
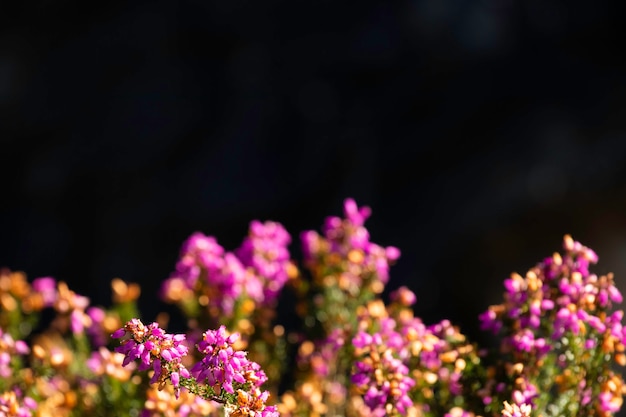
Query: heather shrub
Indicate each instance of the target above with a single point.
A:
(345, 350)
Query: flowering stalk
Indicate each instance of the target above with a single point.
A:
(223, 375)
(265, 252)
(346, 271)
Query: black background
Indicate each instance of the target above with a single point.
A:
(480, 132)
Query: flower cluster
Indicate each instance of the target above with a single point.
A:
(345, 270)
(399, 359)
(222, 366)
(265, 252)
(257, 270)
(207, 273)
(559, 332)
(154, 348)
(8, 349)
(382, 376)
(345, 257)
(11, 405)
(48, 333)
(223, 375)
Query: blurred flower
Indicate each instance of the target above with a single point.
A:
(265, 251)
(516, 410)
(164, 403)
(8, 349)
(105, 362)
(13, 404)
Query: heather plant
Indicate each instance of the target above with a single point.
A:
(345, 271)
(349, 348)
(404, 367)
(53, 355)
(560, 338)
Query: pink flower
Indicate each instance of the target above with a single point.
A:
(153, 348)
(47, 287)
(222, 365)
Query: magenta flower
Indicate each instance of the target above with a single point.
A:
(47, 287)
(96, 331)
(222, 366)
(350, 240)
(265, 251)
(386, 383)
(154, 348)
(224, 278)
(14, 404)
(198, 253)
(8, 348)
(558, 307)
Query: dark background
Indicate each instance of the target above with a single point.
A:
(480, 132)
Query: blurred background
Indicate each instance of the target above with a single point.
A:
(480, 132)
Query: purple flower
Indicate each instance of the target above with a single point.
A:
(198, 253)
(490, 321)
(404, 296)
(225, 277)
(77, 321)
(365, 264)
(223, 366)
(155, 348)
(392, 389)
(8, 348)
(96, 330)
(356, 215)
(265, 251)
(14, 404)
(47, 287)
(609, 402)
